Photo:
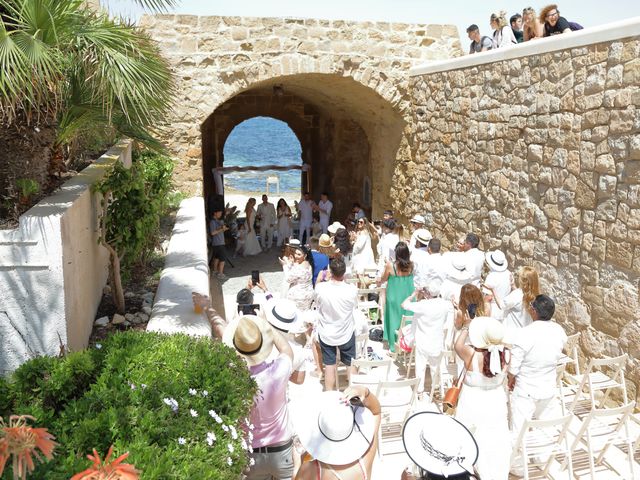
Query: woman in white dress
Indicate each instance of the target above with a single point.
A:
(515, 305)
(251, 244)
(362, 252)
(284, 221)
(298, 270)
(482, 406)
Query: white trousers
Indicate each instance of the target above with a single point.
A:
(304, 227)
(422, 361)
(266, 236)
(324, 224)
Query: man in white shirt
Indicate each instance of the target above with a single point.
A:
(532, 371)
(305, 208)
(336, 302)
(267, 221)
(430, 314)
(475, 257)
(387, 244)
(432, 267)
(324, 208)
(417, 223)
(420, 256)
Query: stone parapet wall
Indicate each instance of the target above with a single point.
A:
(540, 155)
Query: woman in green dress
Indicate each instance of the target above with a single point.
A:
(399, 278)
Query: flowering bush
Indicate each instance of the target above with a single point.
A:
(177, 404)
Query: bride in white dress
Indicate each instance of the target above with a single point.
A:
(251, 244)
(482, 406)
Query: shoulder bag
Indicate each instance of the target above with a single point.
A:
(452, 395)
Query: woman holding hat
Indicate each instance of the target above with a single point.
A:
(482, 406)
(341, 435)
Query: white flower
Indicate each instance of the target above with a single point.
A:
(252, 462)
(234, 434)
(218, 419)
(143, 385)
(250, 449)
(251, 427)
(225, 428)
(243, 444)
(98, 346)
(230, 447)
(133, 387)
(181, 440)
(193, 413)
(213, 413)
(211, 437)
(229, 461)
(205, 393)
(172, 403)
(192, 391)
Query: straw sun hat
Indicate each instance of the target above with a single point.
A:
(252, 338)
(439, 444)
(325, 241)
(423, 235)
(334, 432)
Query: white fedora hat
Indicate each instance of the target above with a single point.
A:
(251, 336)
(283, 315)
(459, 267)
(423, 235)
(496, 261)
(417, 219)
(334, 432)
(334, 227)
(439, 444)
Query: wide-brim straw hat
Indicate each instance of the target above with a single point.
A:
(334, 227)
(496, 260)
(439, 444)
(334, 432)
(283, 314)
(325, 241)
(418, 219)
(486, 331)
(252, 338)
(423, 235)
(459, 268)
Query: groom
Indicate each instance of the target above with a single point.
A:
(267, 220)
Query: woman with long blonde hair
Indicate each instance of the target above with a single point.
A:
(502, 33)
(516, 304)
(531, 26)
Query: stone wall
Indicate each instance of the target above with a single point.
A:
(345, 72)
(538, 151)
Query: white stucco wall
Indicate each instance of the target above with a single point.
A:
(185, 270)
(52, 270)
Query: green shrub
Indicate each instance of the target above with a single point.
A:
(119, 395)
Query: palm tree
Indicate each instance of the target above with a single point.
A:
(65, 70)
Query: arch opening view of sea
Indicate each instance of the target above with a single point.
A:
(262, 141)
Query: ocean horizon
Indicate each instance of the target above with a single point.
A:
(262, 141)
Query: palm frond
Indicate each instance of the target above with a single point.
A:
(157, 5)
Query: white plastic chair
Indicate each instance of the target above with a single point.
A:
(371, 372)
(406, 358)
(543, 439)
(571, 353)
(397, 399)
(599, 430)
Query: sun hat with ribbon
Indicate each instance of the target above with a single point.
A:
(334, 227)
(423, 235)
(496, 260)
(418, 219)
(325, 241)
(334, 432)
(458, 268)
(487, 333)
(283, 315)
(252, 338)
(439, 444)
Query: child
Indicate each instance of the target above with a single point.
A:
(242, 235)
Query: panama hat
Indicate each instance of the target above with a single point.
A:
(423, 235)
(251, 336)
(439, 444)
(325, 241)
(294, 242)
(417, 219)
(334, 432)
(334, 227)
(496, 260)
(283, 314)
(459, 267)
(485, 331)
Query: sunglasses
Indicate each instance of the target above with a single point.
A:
(553, 14)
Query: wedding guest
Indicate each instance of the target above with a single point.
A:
(387, 243)
(325, 206)
(532, 28)
(479, 43)
(515, 305)
(316, 228)
(320, 259)
(251, 244)
(305, 209)
(342, 242)
(298, 270)
(284, 222)
(218, 252)
(362, 251)
(498, 282)
(475, 257)
(267, 221)
(502, 33)
(417, 222)
(420, 257)
(516, 26)
(470, 304)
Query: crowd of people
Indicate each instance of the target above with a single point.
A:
(498, 322)
(520, 28)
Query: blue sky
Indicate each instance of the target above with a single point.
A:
(458, 12)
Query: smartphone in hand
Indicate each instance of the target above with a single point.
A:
(255, 277)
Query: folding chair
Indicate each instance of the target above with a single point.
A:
(406, 358)
(571, 353)
(397, 399)
(543, 439)
(594, 379)
(361, 346)
(376, 371)
(598, 431)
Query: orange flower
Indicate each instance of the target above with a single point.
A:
(108, 470)
(21, 441)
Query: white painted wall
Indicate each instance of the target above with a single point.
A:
(52, 270)
(186, 270)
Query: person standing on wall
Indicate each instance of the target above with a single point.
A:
(267, 219)
(324, 208)
(305, 209)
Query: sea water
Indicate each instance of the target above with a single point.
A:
(262, 141)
